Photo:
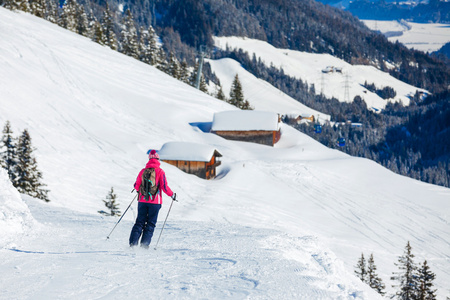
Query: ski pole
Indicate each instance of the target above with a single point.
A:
(122, 216)
(165, 222)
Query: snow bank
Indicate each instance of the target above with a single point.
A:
(15, 217)
(239, 120)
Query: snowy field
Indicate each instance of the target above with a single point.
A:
(426, 37)
(283, 222)
(343, 86)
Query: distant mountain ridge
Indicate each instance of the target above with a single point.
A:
(435, 11)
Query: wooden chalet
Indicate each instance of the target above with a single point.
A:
(248, 125)
(198, 159)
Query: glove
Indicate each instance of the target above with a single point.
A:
(174, 197)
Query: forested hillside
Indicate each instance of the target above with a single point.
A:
(304, 25)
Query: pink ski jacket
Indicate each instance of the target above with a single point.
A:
(160, 181)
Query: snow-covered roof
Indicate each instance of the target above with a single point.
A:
(244, 120)
(187, 151)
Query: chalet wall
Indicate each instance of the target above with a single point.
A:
(254, 136)
(205, 170)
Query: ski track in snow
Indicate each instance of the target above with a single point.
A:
(237, 262)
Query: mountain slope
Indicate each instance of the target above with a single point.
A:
(284, 222)
(310, 68)
(260, 94)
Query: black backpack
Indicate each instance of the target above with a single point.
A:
(148, 186)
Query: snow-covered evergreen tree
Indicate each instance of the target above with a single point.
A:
(111, 204)
(28, 180)
(38, 8)
(128, 36)
(426, 277)
(406, 276)
(82, 21)
(161, 61)
(98, 34)
(373, 280)
(203, 86)
(68, 17)
(361, 268)
(173, 66)
(153, 47)
(193, 77)
(184, 72)
(108, 29)
(51, 11)
(8, 152)
(143, 45)
(22, 5)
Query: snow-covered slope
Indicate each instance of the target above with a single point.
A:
(283, 222)
(260, 94)
(309, 66)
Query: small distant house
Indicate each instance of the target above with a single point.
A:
(248, 125)
(198, 159)
(306, 117)
(299, 118)
(332, 69)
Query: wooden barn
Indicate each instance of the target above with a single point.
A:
(248, 125)
(198, 159)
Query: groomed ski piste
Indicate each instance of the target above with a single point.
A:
(283, 222)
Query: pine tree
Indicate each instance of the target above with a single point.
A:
(38, 8)
(220, 94)
(68, 18)
(98, 35)
(193, 77)
(161, 61)
(373, 280)
(237, 95)
(82, 20)
(143, 46)
(153, 47)
(22, 5)
(8, 152)
(203, 86)
(426, 277)
(184, 72)
(108, 29)
(361, 269)
(407, 278)
(111, 204)
(128, 35)
(51, 11)
(174, 66)
(28, 180)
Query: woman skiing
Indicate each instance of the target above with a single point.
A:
(149, 184)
